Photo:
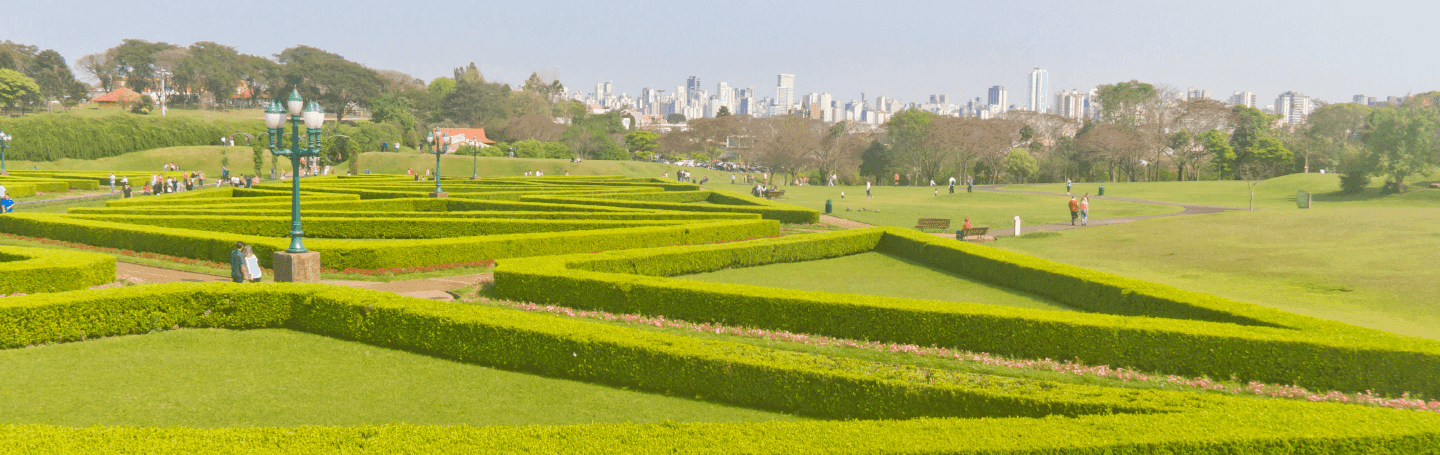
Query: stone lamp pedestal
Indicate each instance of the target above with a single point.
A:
(296, 267)
(439, 194)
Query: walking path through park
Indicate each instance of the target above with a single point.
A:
(1009, 231)
(426, 288)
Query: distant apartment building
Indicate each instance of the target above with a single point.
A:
(784, 93)
(1092, 103)
(1246, 99)
(1292, 107)
(1359, 99)
(1196, 93)
(1070, 104)
(998, 97)
(1038, 81)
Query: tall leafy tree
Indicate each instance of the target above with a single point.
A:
(135, 62)
(1336, 129)
(16, 87)
(1401, 143)
(1250, 125)
(875, 161)
(338, 83)
(102, 67)
(1120, 103)
(216, 68)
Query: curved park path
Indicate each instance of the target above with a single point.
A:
(426, 288)
(1009, 231)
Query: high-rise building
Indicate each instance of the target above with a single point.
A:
(1359, 99)
(692, 87)
(784, 93)
(1244, 99)
(1370, 101)
(1039, 79)
(1195, 93)
(1070, 103)
(609, 89)
(1292, 107)
(726, 96)
(998, 97)
(1092, 103)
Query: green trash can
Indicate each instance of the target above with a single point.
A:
(1102, 190)
(827, 206)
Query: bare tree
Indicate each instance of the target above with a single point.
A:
(534, 126)
(840, 148)
(787, 143)
(1195, 118)
(101, 67)
(1119, 146)
(969, 140)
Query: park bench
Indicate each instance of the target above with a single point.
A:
(774, 194)
(975, 231)
(932, 223)
(974, 234)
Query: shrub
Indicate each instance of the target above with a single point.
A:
(50, 137)
(32, 270)
(1354, 182)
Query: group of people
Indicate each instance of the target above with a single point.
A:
(7, 204)
(1079, 209)
(228, 141)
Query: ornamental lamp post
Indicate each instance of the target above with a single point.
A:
(4, 144)
(474, 159)
(295, 263)
(439, 143)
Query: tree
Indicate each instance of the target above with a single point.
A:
(216, 69)
(15, 87)
(724, 111)
(1020, 164)
(840, 148)
(476, 103)
(1120, 103)
(1217, 146)
(102, 67)
(1250, 126)
(641, 143)
(534, 126)
(1337, 129)
(914, 144)
(389, 107)
(675, 118)
(786, 143)
(136, 63)
(1401, 142)
(1195, 117)
(1119, 146)
(1268, 157)
(442, 85)
(336, 82)
(875, 160)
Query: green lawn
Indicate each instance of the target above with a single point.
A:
(877, 274)
(1276, 193)
(221, 378)
(901, 206)
(1374, 267)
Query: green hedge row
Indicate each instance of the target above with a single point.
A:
(32, 270)
(1076, 419)
(377, 254)
(176, 199)
(19, 189)
(1155, 327)
(310, 210)
(41, 185)
(317, 227)
(52, 137)
(784, 213)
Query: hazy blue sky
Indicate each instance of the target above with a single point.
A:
(1328, 49)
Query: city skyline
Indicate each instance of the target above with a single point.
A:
(509, 41)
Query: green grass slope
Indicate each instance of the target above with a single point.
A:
(901, 206)
(1278, 192)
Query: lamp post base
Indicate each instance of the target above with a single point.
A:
(296, 267)
(439, 194)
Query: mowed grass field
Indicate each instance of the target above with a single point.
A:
(877, 274)
(1369, 266)
(902, 206)
(221, 378)
(1276, 193)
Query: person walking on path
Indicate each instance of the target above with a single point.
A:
(1074, 210)
(1085, 210)
(237, 263)
(112, 183)
(1067, 187)
(867, 189)
(969, 184)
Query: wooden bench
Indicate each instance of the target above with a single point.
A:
(774, 194)
(932, 223)
(976, 231)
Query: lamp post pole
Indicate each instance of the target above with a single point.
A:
(298, 262)
(4, 144)
(439, 143)
(474, 159)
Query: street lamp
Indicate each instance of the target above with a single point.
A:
(4, 144)
(163, 75)
(475, 159)
(313, 117)
(439, 143)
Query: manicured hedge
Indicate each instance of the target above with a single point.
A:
(318, 227)
(1073, 418)
(725, 202)
(1181, 332)
(385, 212)
(52, 137)
(32, 270)
(377, 254)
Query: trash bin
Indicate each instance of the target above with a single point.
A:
(1102, 190)
(827, 206)
(1302, 200)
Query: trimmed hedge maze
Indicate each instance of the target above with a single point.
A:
(32, 270)
(375, 222)
(1129, 323)
(941, 410)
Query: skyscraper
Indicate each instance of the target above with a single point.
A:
(784, 93)
(1243, 99)
(1070, 103)
(1359, 99)
(1039, 79)
(692, 87)
(998, 97)
(1292, 107)
(1195, 93)
(726, 96)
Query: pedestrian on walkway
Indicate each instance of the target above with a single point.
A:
(237, 263)
(969, 184)
(1074, 210)
(1067, 187)
(867, 189)
(1085, 210)
(112, 183)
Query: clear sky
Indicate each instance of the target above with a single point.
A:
(1330, 50)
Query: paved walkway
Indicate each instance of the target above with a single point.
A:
(427, 288)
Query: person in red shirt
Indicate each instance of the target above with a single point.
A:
(1074, 210)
